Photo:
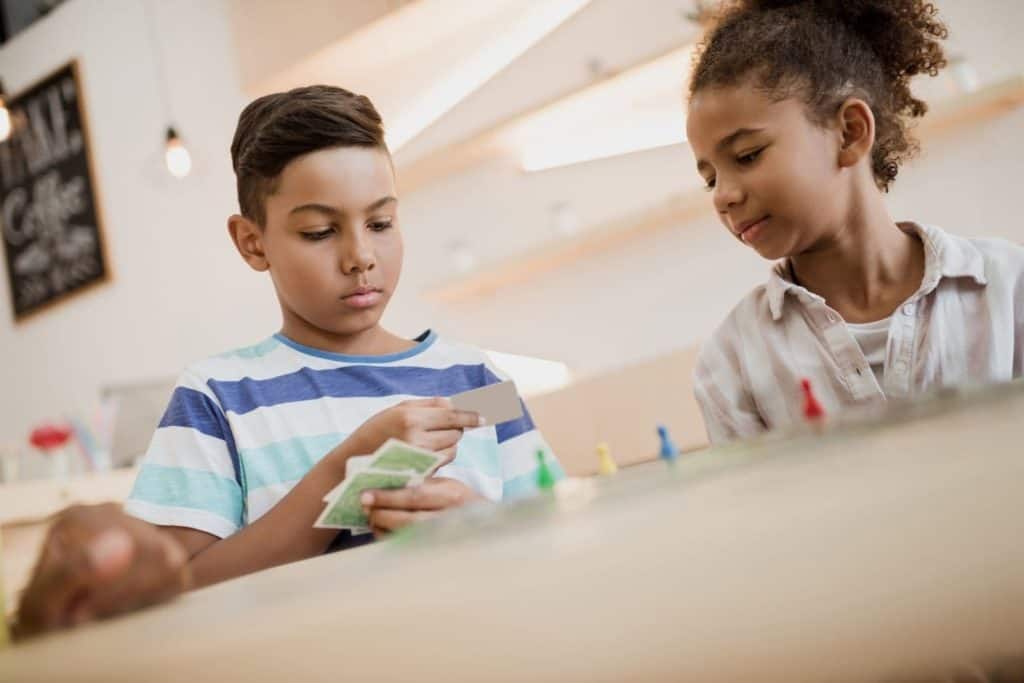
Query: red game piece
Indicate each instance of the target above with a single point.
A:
(812, 409)
(46, 437)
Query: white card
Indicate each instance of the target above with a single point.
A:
(496, 403)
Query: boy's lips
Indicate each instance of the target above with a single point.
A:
(363, 297)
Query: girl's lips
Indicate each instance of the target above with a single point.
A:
(751, 231)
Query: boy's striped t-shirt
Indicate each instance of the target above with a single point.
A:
(244, 427)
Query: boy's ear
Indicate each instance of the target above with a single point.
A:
(857, 131)
(248, 239)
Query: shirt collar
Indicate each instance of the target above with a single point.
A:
(945, 255)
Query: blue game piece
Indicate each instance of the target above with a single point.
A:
(669, 452)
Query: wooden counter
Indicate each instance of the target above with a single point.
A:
(878, 552)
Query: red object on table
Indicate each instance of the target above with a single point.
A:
(48, 437)
(812, 409)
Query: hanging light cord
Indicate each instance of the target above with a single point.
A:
(158, 60)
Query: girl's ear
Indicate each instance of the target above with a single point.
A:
(857, 130)
(248, 239)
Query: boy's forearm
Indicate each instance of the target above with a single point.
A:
(284, 534)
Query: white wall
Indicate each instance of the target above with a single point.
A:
(259, 25)
(178, 292)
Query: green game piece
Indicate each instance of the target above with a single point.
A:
(545, 480)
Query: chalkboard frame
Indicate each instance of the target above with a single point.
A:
(106, 276)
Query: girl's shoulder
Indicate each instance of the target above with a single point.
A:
(994, 259)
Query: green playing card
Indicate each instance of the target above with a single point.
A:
(400, 457)
(347, 511)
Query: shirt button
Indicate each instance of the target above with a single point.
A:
(832, 318)
(908, 309)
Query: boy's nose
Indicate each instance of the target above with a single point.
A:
(356, 255)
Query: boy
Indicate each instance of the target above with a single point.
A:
(253, 439)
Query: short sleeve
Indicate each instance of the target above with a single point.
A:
(190, 475)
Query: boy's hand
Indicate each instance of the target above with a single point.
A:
(98, 561)
(390, 510)
(429, 423)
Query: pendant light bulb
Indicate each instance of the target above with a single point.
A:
(5, 121)
(176, 156)
(5, 117)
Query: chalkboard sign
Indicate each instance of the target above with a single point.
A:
(49, 213)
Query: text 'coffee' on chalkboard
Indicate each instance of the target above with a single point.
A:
(49, 214)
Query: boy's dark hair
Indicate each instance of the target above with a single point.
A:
(827, 50)
(275, 129)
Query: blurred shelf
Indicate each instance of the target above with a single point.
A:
(973, 108)
(558, 254)
(945, 118)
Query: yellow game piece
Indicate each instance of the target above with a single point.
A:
(605, 463)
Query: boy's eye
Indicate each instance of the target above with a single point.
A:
(749, 157)
(318, 234)
(380, 226)
(709, 184)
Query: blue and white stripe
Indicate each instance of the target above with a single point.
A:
(243, 427)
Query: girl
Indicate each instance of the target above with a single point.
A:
(798, 118)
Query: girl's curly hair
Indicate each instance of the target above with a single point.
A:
(825, 51)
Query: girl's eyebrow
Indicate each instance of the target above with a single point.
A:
(736, 135)
(727, 141)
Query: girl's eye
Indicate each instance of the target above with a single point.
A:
(318, 235)
(709, 184)
(749, 157)
(380, 226)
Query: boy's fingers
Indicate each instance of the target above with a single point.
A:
(393, 520)
(431, 495)
(452, 419)
(440, 440)
(434, 402)
(410, 498)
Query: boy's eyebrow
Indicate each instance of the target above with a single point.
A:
(332, 211)
(381, 202)
(319, 208)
